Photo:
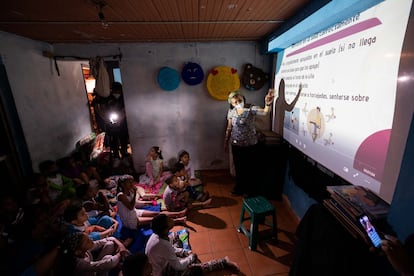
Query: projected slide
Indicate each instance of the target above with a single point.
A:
(344, 113)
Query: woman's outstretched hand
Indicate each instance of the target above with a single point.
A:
(269, 97)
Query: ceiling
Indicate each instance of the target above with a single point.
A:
(80, 21)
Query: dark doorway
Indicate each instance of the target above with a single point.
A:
(98, 107)
(15, 161)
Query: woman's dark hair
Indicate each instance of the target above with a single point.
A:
(169, 180)
(134, 264)
(121, 180)
(116, 86)
(45, 165)
(67, 259)
(159, 223)
(158, 151)
(178, 166)
(81, 190)
(182, 153)
(72, 210)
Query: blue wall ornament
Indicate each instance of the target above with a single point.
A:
(168, 78)
(192, 73)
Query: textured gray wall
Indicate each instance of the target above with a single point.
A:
(186, 118)
(53, 109)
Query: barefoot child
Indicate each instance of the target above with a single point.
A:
(177, 198)
(193, 192)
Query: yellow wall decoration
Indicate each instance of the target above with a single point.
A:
(221, 81)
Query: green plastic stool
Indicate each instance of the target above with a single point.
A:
(258, 208)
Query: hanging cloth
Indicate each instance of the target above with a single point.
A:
(99, 71)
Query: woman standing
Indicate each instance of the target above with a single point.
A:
(241, 133)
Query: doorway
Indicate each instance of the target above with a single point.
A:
(15, 162)
(114, 73)
(116, 140)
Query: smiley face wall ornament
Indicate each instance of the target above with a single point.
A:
(192, 73)
(221, 81)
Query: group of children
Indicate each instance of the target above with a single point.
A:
(183, 190)
(71, 213)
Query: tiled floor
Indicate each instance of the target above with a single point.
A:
(213, 231)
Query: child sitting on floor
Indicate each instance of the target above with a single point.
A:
(95, 203)
(131, 217)
(154, 168)
(79, 255)
(59, 187)
(184, 157)
(194, 193)
(77, 220)
(165, 259)
(177, 198)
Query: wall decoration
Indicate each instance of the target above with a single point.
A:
(253, 78)
(192, 73)
(221, 81)
(168, 78)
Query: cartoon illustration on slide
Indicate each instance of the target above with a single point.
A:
(331, 116)
(329, 140)
(292, 120)
(281, 106)
(316, 123)
(305, 109)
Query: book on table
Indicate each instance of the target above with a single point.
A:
(347, 221)
(349, 202)
(358, 200)
(353, 211)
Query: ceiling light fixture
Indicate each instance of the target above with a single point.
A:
(100, 5)
(102, 19)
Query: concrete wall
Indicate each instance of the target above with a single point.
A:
(186, 118)
(54, 113)
(52, 109)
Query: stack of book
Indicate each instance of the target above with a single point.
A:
(349, 202)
